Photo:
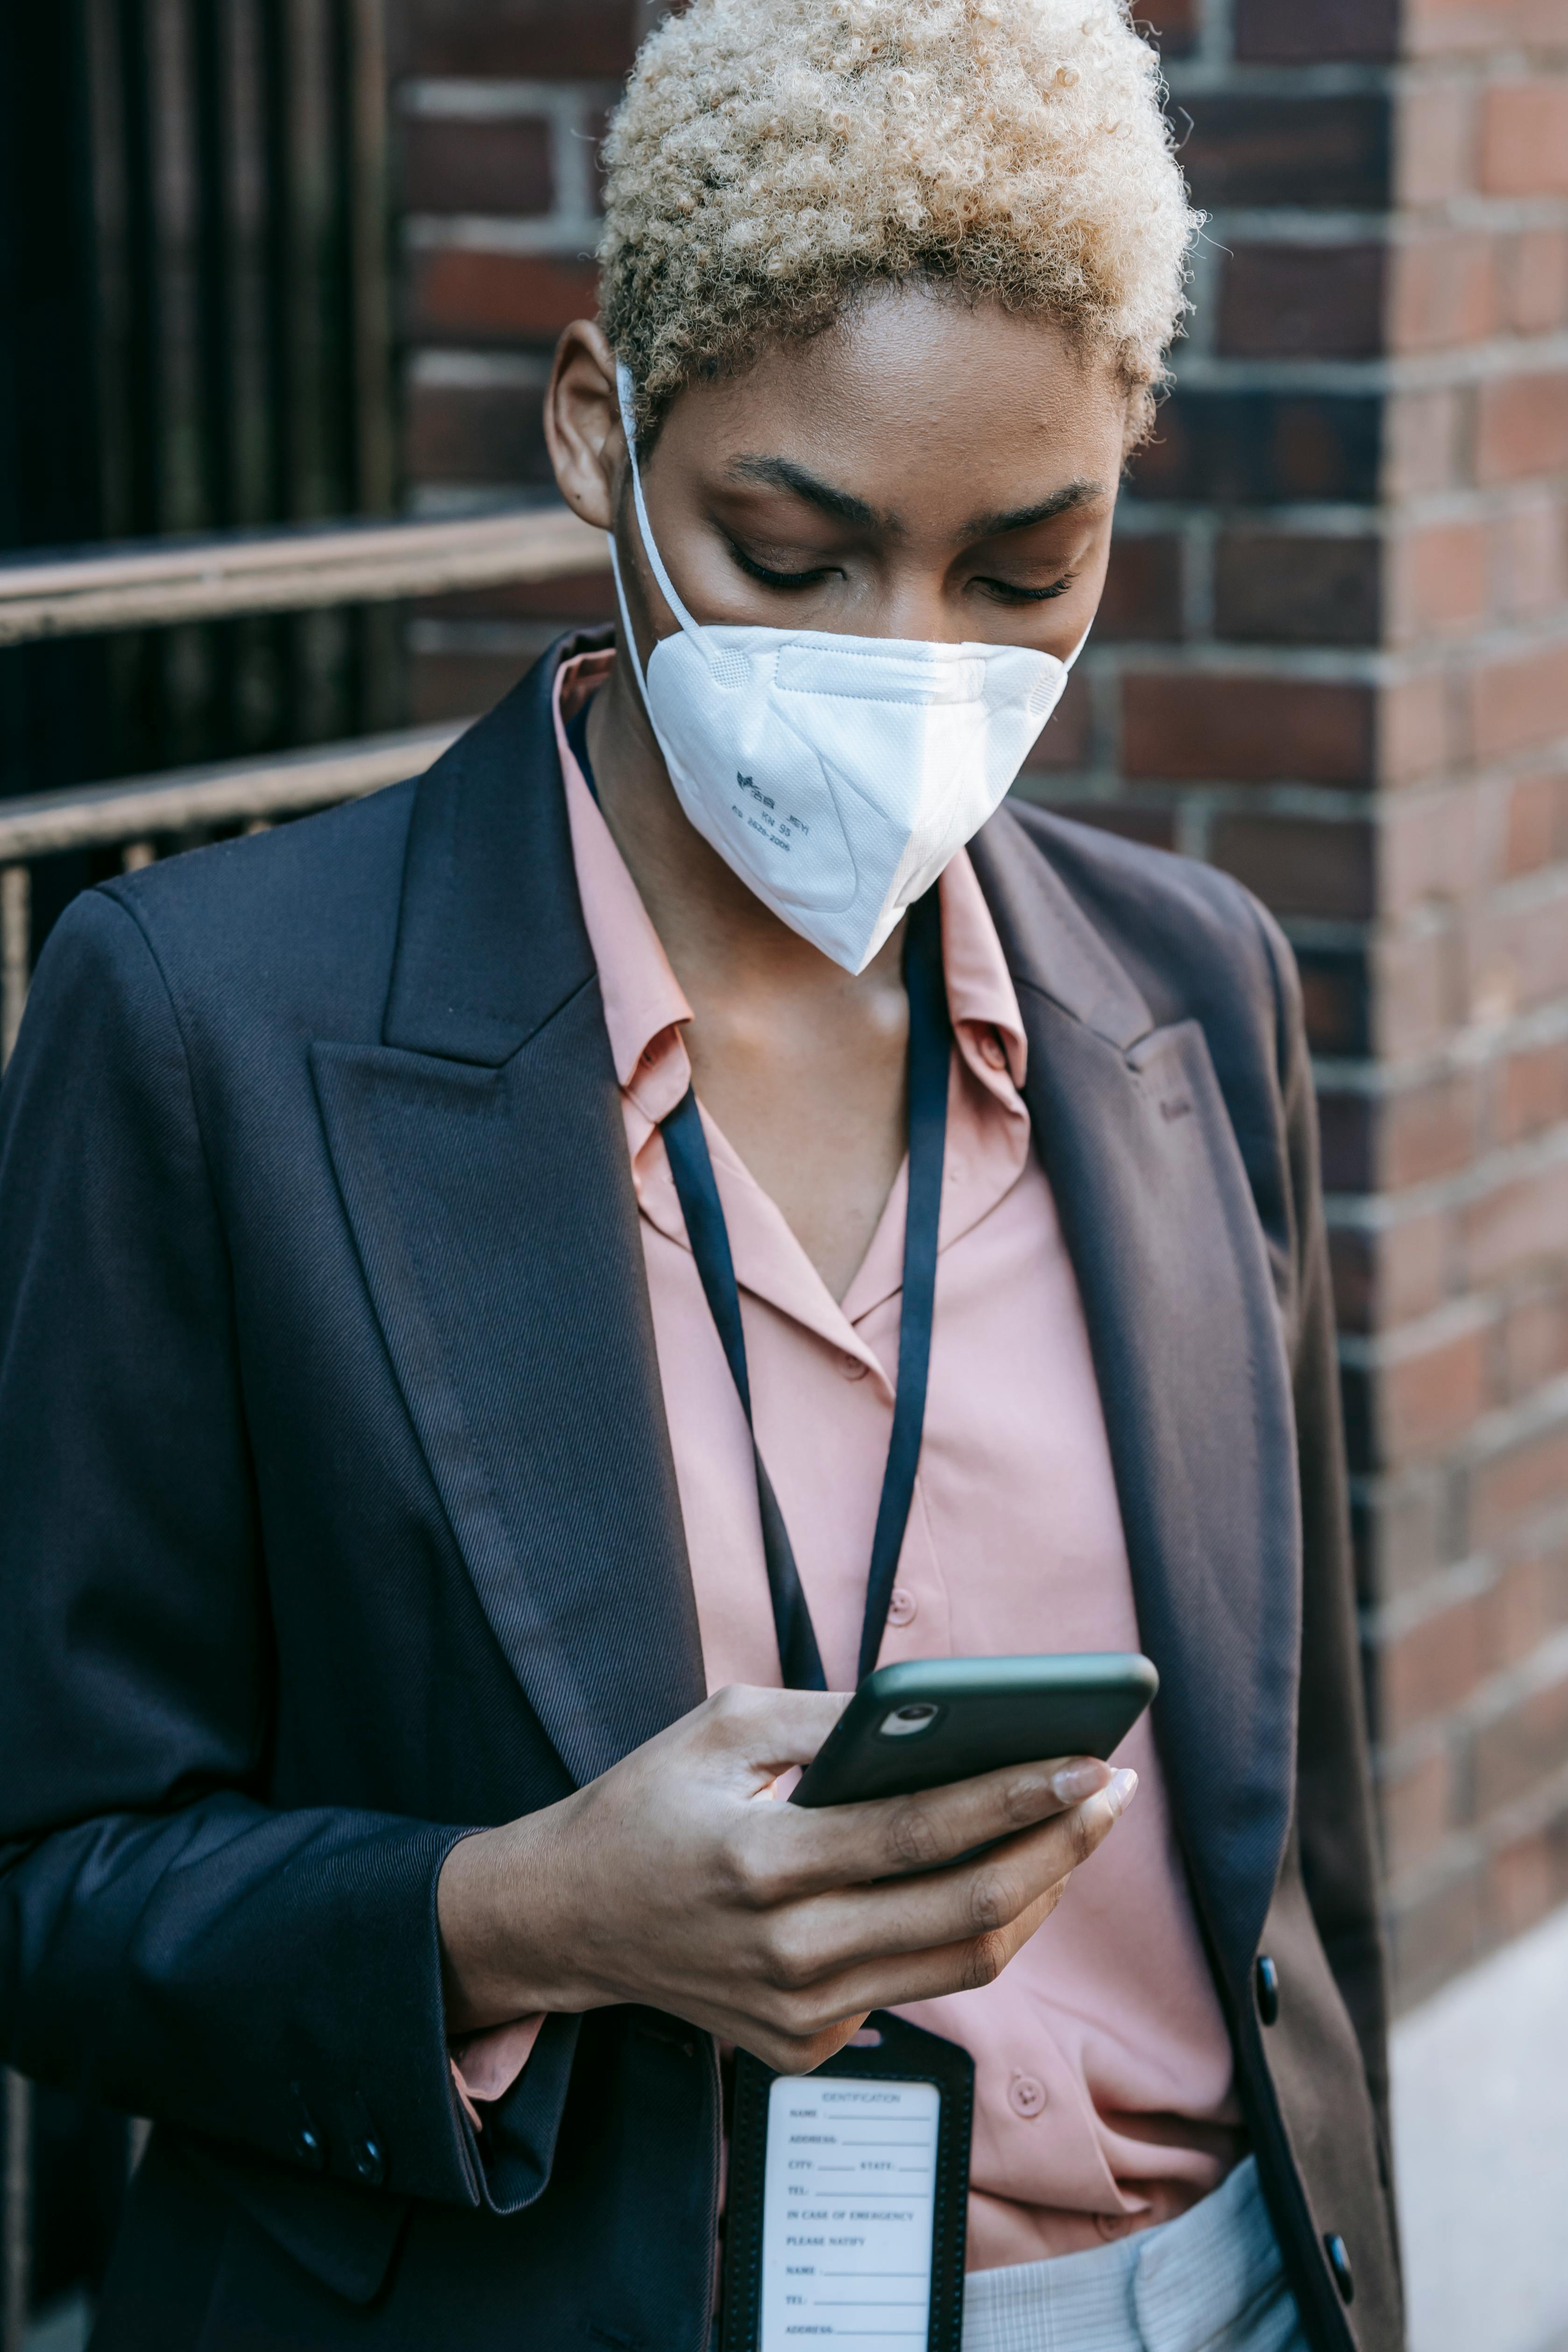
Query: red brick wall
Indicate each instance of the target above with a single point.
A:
(1333, 658)
(497, 107)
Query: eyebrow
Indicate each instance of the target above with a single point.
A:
(1071, 495)
(784, 474)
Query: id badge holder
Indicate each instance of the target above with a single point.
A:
(848, 2194)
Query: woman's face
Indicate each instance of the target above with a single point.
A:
(930, 468)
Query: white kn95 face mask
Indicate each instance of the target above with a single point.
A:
(837, 775)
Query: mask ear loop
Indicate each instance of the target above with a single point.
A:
(623, 390)
(627, 639)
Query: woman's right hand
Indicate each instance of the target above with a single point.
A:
(672, 1880)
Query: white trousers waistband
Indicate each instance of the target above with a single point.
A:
(1211, 2281)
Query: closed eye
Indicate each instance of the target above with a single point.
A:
(1007, 592)
(771, 578)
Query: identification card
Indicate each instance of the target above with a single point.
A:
(847, 2198)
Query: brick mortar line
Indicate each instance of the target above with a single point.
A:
(1225, 75)
(1102, 783)
(1517, 893)
(1375, 1490)
(1216, 31)
(1385, 519)
(1439, 1733)
(1397, 227)
(1402, 1343)
(1138, 518)
(441, 367)
(1487, 1701)
(1478, 1047)
(1476, 211)
(1506, 1163)
(1326, 803)
(1103, 786)
(1464, 1852)
(468, 98)
(1458, 1457)
(441, 494)
(1477, 69)
(1380, 667)
(1481, 503)
(1219, 75)
(1385, 1621)
(1504, 1427)
(1488, 360)
(507, 237)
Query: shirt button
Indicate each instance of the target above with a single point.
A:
(1111, 2225)
(902, 1606)
(648, 1057)
(1026, 2096)
(852, 1368)
(992, 1050)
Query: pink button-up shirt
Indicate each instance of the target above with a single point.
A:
(1104, 2084)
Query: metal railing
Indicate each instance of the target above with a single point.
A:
(272, 572)
(135, 816)
(145, 816)
(288, 570)
(15, 2236)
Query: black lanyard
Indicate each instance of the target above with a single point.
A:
(930, 1051)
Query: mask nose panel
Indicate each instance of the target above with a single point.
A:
(890, 672)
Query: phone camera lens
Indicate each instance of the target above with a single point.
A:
(904, 1720)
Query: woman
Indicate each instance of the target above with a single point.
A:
(381, 1499)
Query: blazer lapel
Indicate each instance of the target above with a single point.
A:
(481, 1157)
(1160, 1223)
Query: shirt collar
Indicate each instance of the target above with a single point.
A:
(644, 1003)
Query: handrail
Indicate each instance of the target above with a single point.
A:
(138, 811)
(272, 572)
(229, 791)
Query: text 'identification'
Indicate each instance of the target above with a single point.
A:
(847, 2193)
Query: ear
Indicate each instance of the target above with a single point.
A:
(582, 423)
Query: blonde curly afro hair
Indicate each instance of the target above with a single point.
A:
(770, 158)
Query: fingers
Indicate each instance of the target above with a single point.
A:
(829, 1932)
(794, 2032)
(767, 1730)
(811, 1850)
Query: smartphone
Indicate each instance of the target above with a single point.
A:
(929, 1721)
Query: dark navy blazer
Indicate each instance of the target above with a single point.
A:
(339, 1518)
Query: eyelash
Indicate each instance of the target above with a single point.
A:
(1006, 594)
(1003, 590)
(754, 571)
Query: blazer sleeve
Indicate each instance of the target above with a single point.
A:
(1334, 1815)
(170, 1944)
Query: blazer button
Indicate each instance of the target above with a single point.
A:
(1339, 2262)
(305, 2140)
(1267, 1977)
(369, 2163)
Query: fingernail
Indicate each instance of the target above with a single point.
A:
(1082, 1777)
(1123, 1789)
